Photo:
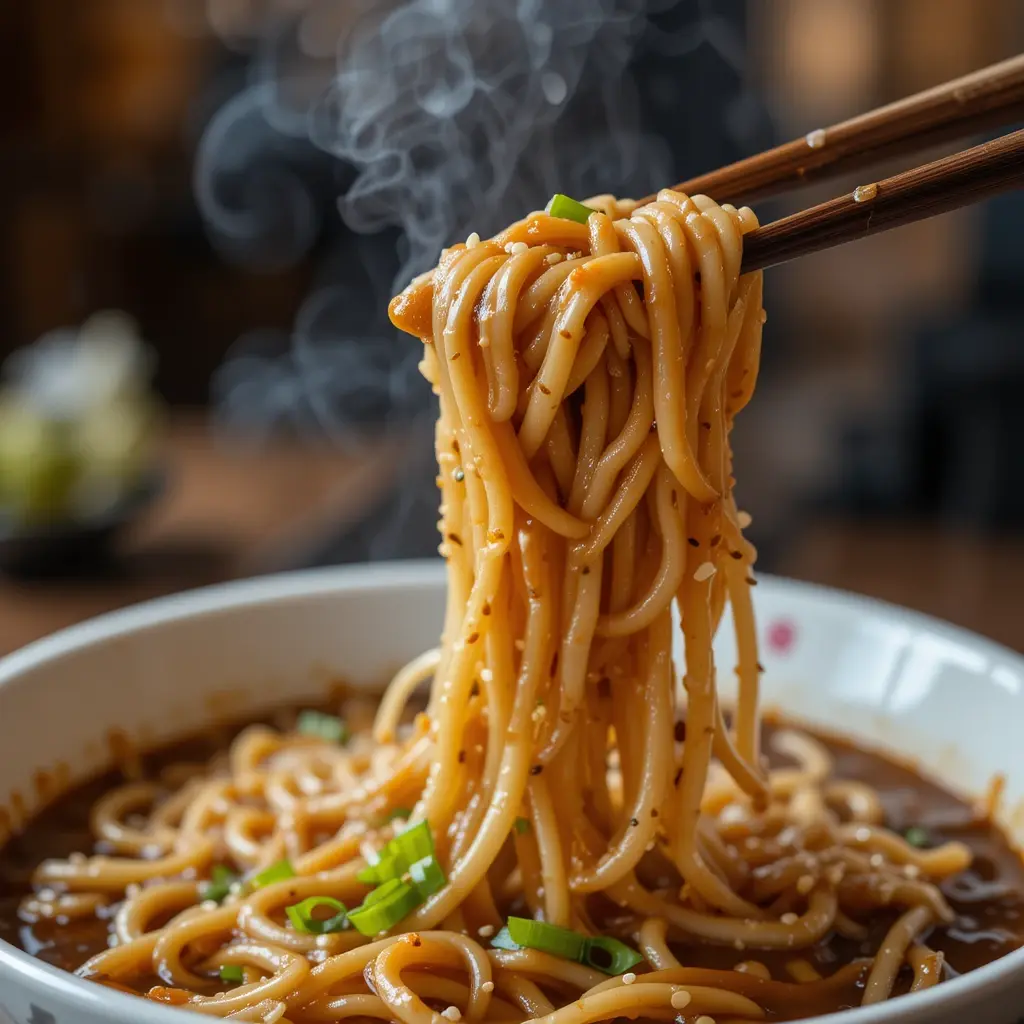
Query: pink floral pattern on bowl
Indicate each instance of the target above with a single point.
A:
(781, 636)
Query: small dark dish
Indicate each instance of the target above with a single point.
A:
(75, 547)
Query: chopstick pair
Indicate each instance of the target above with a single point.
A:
(991, 97)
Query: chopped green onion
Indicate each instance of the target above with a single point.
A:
(414, 843)
(384, 869)
(427, 876)
(219, 886)
(302, 919)
(232, 974)
(916, 836)
(503, 940)
(609, 955)
(384, 907)
(399, 855)
(522, 826)
(277, 872)
(604, 954)
(322, 727)
(397, 812)
(548, 938)
(382, 892)
(569, 209)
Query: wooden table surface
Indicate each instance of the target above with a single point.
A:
(973, 581)
(230, 513)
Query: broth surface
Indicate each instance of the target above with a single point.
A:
(988, 898)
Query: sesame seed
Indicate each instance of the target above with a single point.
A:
(835, 873)
(911, 871)
(486, 931)
(789, 918)
(518, 247)
(553, 258)
(486, 675)
(744, 519)
(804, 884)
(704, 572)
(680, 1000)
(452, 1013)
(732, 813)
(876, 860)
(487, 986)
(704, 1019)
(473, 240)
(628, 978)
(764, 317)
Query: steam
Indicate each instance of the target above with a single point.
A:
(453, 111)
(419, 121)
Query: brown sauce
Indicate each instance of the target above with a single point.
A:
(988, 898)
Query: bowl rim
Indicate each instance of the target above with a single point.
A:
(428, 574)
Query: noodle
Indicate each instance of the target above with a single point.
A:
(588, 377)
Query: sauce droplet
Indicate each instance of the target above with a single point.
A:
(865, 193)
(815, 139)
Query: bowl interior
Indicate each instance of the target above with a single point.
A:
(891, 679)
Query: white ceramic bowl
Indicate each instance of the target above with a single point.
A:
(951, 700)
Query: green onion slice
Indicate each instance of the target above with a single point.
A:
(916, 836)
(602, 953)
(548, 938)
(609, 955)
(399, 855)
(414, 843)
(219, 886)
(384, 907)
(569, 209)
(277, 872)
(232, 974)
(427, 876)
(385, 868)
(323, 727)
(382, 892)
(302, 919)
(522, 826)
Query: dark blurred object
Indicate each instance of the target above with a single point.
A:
(76, 548)
(950, 449)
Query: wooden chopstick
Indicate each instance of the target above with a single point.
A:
(938, 187)
(990, 98)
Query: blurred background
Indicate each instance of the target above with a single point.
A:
(206, 205)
